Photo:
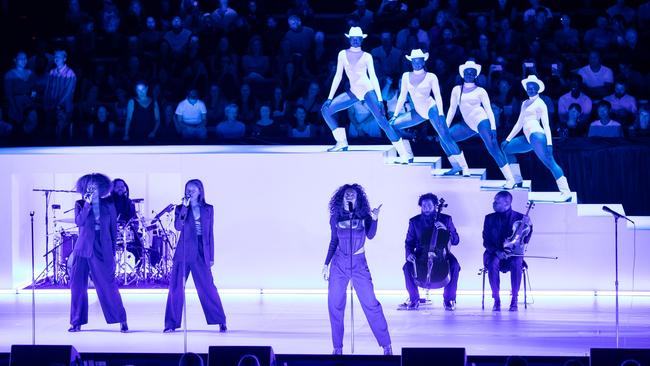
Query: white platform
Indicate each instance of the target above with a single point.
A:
(271, 216)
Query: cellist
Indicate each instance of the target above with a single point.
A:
(497, 227)
(418, 238)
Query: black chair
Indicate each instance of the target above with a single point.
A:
(526, 279)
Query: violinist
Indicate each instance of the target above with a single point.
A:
(418, 238)
(497, 228)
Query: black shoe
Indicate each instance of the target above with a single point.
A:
(223, 328)
(169, 330)
(337, 351)
(497, 305)
(513, 305)
(124, 327)
(74, 328)
(388, 350)
(409, 305)
(450, 305)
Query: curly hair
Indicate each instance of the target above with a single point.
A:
(104, 184)
(362, 208)
(117, 180)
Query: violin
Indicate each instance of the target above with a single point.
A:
(514, 245)
(432, 270)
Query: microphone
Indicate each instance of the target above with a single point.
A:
(350, 208)
(616, 214)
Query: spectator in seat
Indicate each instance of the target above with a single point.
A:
(177, 37)
(191, 117)
(364, 15)
(623, 10)
(388, 59)
(604, 126)
(573, 126)
(600, 38)
(641, 126)
(575, 95)
(597, 78)
(623, 105)
(412, 37)
(299, 37)
(231, 128)
(224, 16)
(566, 39)
(301, 127)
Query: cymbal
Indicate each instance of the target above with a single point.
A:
(66, 220)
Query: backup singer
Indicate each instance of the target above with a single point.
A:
(420, 84)
(351, 222)
(94, 254)
(418, 238)
(537, 137)
(194, 253)
(364, 86)
(497, 227)
(478, 119)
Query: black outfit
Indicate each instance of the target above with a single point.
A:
(497, 227)
(143, 120)
(417, 242)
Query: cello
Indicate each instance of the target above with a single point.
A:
(432, 270)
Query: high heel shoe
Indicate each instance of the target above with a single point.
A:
(124, 327)
(169, 330)
(223, 328)
(74, 328)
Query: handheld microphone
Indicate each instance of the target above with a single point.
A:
(350, 208)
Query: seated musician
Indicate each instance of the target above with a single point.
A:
(497, 228)
(418, 239)
(126, 216)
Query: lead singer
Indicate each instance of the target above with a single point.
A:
(94, 254)
(194, 253)
(351, 221)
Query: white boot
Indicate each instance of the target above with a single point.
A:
(563, 186)
(510, 180)
(516, 173)
(463, 164)
(404, 156)
(341, 140)
(458, 164)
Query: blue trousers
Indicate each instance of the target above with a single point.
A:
(495, 266)
(450, 290)
(103, 275)
(207, 291)
(362, 282)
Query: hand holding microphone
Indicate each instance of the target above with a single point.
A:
(186, 200)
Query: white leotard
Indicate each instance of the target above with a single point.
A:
(420, 94)
(474, 106)
(361, 75)
(533, 111)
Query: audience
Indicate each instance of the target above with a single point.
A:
(71, 84)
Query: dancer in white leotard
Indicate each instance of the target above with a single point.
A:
(419, 84)
(478, 119)
(364, 86)
(536, 137)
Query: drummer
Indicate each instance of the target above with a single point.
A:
(126, 218)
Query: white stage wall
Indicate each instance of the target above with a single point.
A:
(271, 216)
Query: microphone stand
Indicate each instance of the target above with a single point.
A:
(351, 286)
(47, 234)
(616, 217)
(31, 215)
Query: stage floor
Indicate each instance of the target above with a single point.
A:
(298, 324)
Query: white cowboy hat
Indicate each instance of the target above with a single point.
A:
(469, 65)
(533, 79)
(417, 54)
(356, 32)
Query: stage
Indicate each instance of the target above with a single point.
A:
(271, 237)
(298, 324)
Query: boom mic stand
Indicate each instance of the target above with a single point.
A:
(616, 217)
(46, 271)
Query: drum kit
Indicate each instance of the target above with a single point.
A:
(144, 248)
